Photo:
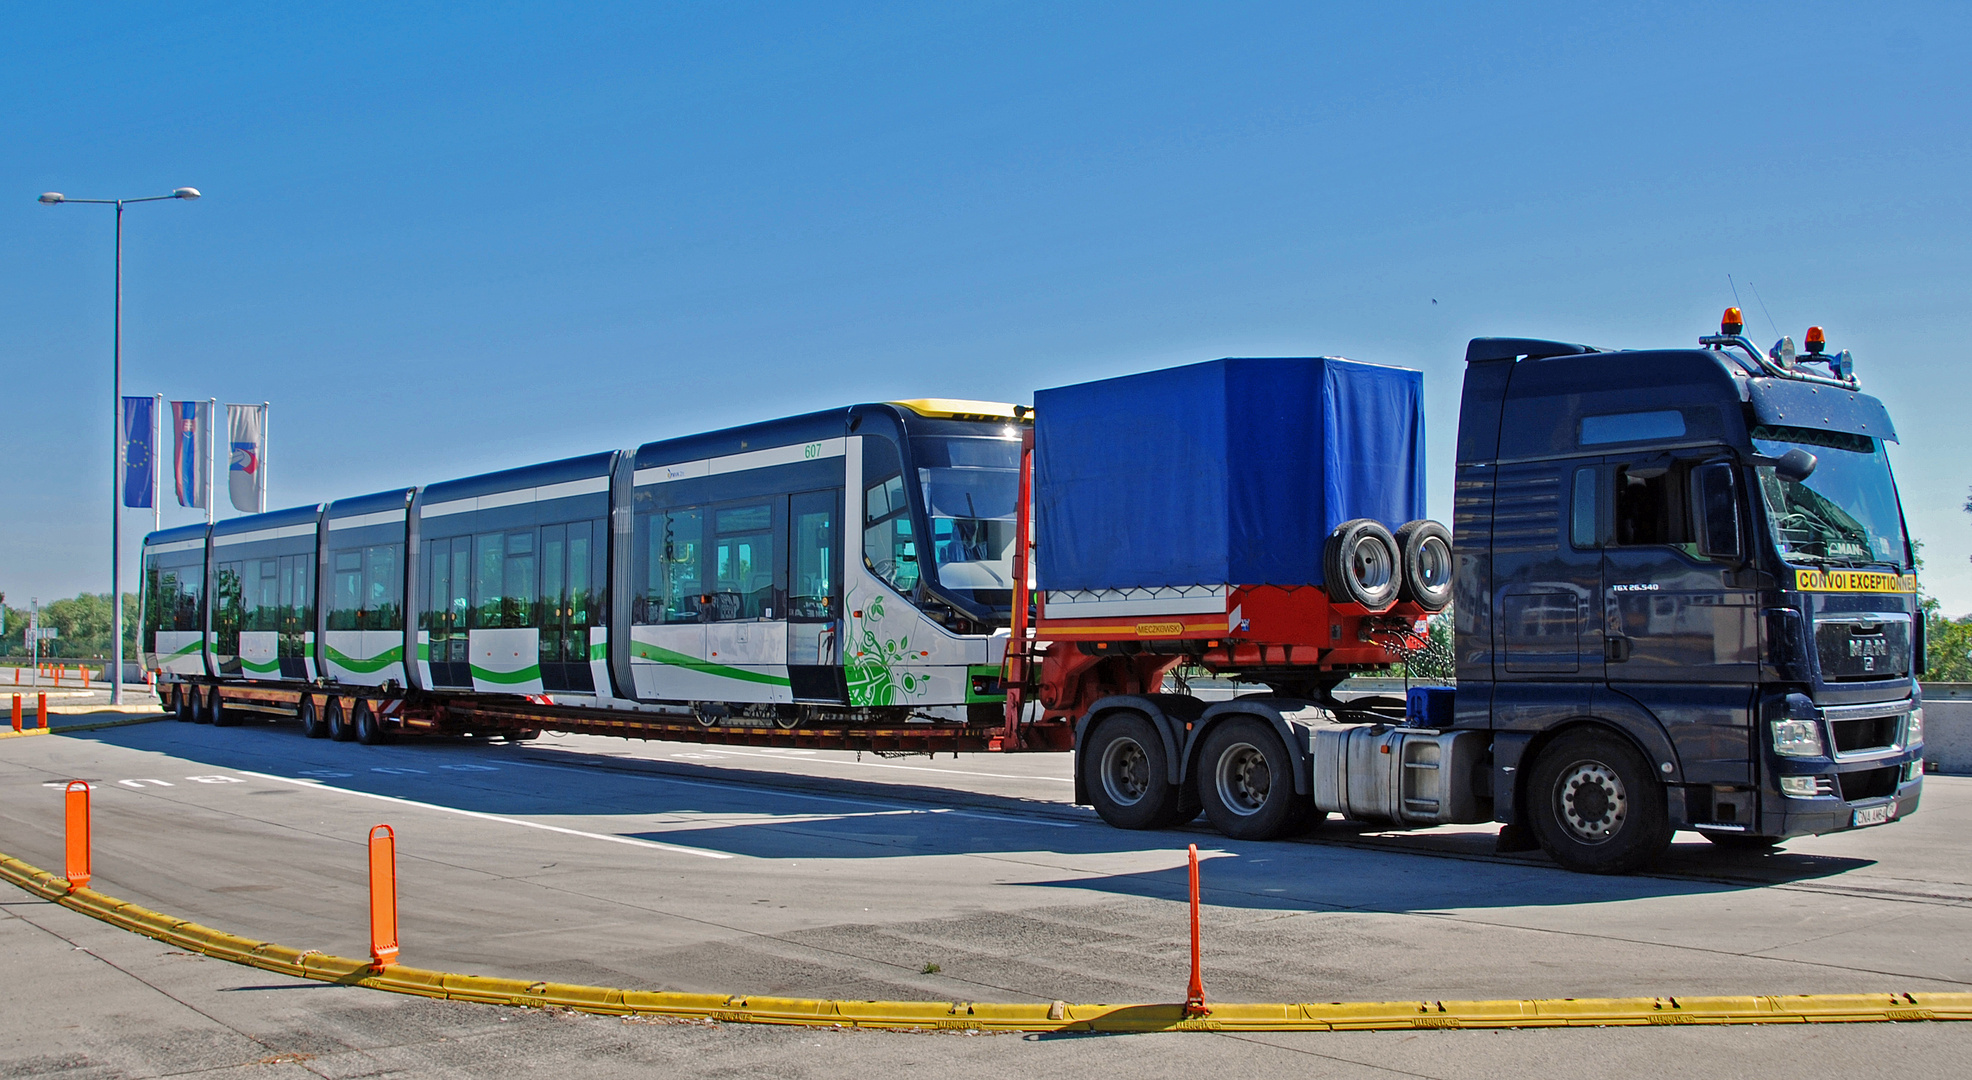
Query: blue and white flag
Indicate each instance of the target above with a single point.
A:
(246, 427)
(139, 450)
(191, 451)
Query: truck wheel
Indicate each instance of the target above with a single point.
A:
(369, 730)
(1424, 549)
(1596, 808)
(1124, 770)
(202, 704)
(311, 722)
(1359, 565)
(221, 715)
(1246, 781)
(339, 729)
(181, 704)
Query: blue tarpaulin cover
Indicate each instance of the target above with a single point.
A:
(1231, 472)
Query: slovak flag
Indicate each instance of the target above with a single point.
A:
(246, 475)
(191, 451)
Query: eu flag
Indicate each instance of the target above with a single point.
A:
(139, 450)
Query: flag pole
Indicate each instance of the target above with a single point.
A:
(211, 419)
(157, 466)
(265, 442)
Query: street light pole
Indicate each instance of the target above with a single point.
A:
(115, 672)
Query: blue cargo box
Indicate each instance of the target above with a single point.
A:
(1231, 472)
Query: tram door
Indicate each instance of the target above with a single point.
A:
(814, 615)
(567, 601)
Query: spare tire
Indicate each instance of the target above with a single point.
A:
(1360, 564)
(1424, 550)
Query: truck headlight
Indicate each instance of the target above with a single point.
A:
(1914, 728)
(1797, 738)
(1799, 787)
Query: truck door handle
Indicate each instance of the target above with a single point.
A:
(1616, 649)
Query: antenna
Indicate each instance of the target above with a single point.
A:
(1735, 291)
(1763, 307)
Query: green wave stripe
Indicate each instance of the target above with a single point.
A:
(183, 651)
(531, 673)
(267, 668)
(599, 650)
(643, 651)
(392, 655)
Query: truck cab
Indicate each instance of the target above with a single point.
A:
(1685, 572)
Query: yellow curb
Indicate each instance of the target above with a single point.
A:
(65, 728)
(976, 1016)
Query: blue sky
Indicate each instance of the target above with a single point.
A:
(442, 241)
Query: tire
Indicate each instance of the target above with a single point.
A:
(1359, 565)
(1596, 805)
(312, 726)
(202, 700)
(340, 729)
(1246, 781)
(369, 729)
(221, 715)
(1125, 770)
(520, 736)
(1743, 842)
(181, 704)
(1424, 550)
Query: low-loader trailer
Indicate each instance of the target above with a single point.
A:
(1680, 589)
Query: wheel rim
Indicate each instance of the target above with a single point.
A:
(1591, 802)
(1434, 564)
(1243, 779)
(1125, 771)
(1370, 565)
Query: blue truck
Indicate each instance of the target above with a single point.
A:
(1681, 590)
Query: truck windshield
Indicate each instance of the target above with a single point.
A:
(1846, 512)
(970, 488)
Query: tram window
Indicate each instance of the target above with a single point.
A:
(346, 569)
(226, 610)
(297, 600)
(504, 580)
(812, 593)
(579, 577)
(383, 588)
(669, 546)
(889, 546)
(743, 562)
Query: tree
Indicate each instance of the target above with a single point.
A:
(81, 625)
(1947, 641)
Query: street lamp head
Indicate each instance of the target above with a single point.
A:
(187, 193)
(51, 197)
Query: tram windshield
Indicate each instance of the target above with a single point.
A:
(971, 486)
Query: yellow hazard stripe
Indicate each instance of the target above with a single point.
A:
(961, 1015)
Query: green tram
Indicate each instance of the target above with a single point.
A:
(843, 567)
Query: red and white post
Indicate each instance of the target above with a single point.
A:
(383, 897)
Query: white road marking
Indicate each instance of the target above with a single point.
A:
(216, 779)
(140, 782)
(907, 768)
(524, 823)
(468, 768)
(891, 807)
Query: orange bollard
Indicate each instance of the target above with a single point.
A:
(1195, 995)
(77, 798)
(17, 712)
(383, 897)
(41, 710)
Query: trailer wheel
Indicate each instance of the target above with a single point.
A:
(221, 715)
(369, 730)
(1246, 781)
(1596, 807)
(339, 729)
(1359, 565)
(311, 722)
(202, 704)
(181, 704)
(1124, 771)
(520, 735)
(1425, 550)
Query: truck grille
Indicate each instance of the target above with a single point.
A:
(1854, 650)
(1869, 783)
(1873, 733)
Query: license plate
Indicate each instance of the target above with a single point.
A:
(1873, 815)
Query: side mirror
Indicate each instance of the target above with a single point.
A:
(1715, 511)
(1795, 465)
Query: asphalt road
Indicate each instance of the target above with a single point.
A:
(666, 866)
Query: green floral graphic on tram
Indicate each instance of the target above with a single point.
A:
(873, 665)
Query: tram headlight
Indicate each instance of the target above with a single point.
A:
(1797, 738)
